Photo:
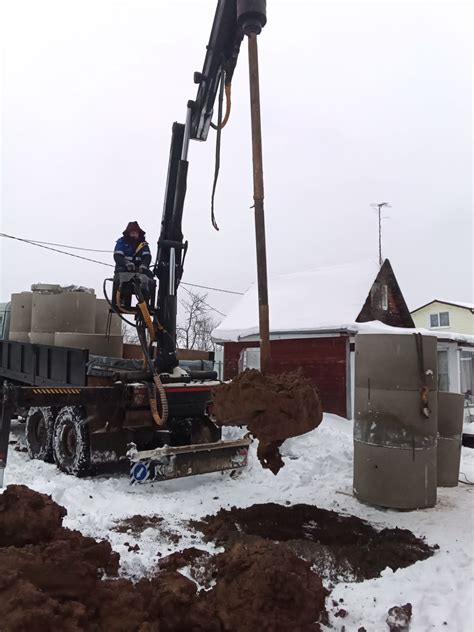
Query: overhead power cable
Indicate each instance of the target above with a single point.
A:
(46, 244)
(70, 254)
(214, 289)
(204, 302)
(49, 243)
(109, 265)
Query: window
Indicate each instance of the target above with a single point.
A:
(384, 298)
(444, 319)
(379, 296)
(440, 319)
(443, 373)
(467, 375)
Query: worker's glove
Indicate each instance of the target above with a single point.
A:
(130, 266)
(143, 269)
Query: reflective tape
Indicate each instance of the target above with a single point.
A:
(57, 391)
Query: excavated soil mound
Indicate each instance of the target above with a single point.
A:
(337, 546)
(137, 524)
(264, 586)
(191, 556)
(257, 585)
(27, 517)
(273, 407)
(53, 578)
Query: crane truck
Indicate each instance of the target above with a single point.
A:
(82, 411)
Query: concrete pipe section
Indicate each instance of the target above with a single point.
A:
(450, 421)
(19, 336)
(20, 313)
(395, 433)
(41, 338)
(75, 312)
(44, 312)
(97, 344)
(101, 316)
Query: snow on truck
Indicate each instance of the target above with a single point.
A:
(83, 409)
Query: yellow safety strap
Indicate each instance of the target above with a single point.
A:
(140, 247)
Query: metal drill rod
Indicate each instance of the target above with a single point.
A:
(258, 195)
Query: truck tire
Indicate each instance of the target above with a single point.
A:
(205, 431)
(71, 442)
(39, 433)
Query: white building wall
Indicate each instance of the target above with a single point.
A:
(453, 365)
(219, 361)
(351, 381)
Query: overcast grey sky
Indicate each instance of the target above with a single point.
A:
(361, 102)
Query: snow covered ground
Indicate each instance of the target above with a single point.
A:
(468, 426)
(318, 471)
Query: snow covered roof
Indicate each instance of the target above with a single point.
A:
(314, 302)
(376, 327)
(456, 303)
(321, 299)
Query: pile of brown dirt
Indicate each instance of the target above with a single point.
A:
(273, 407)
(27, 517)
(337, 546)
(137, 524)
(256, 585)
(264, 586)
(55, 578)
(51, 576)
(200, 564)
(178, 559)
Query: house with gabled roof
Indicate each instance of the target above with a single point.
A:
(445, 315)
(314, 316)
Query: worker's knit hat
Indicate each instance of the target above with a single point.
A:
(134, 226)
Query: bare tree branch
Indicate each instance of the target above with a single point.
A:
(130, 335)
(194, 332)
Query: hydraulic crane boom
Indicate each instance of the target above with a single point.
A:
(231, 19)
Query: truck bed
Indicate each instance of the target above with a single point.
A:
(42, 365)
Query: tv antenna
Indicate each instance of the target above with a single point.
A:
(379, 206)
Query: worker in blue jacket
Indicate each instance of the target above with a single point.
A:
(132, 252)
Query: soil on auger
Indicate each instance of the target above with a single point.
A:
(273, 407)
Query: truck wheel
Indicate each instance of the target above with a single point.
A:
(39, 434)
(205, 431)
(71, 442)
